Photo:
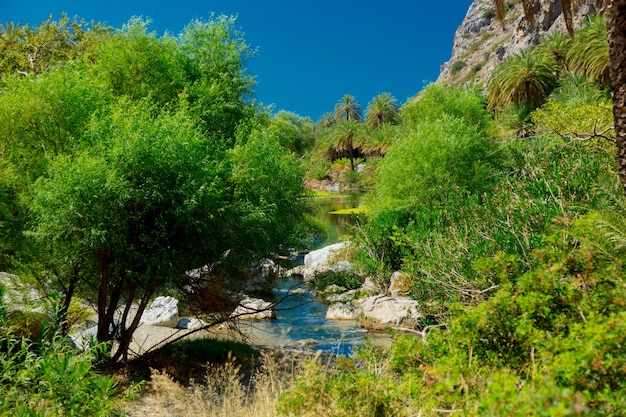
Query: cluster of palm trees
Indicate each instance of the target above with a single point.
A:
(344, 133)
(529, 77)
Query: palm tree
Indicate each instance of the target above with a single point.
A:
(616, 35)
(378, 140)
(10, 32)
(100, 27)
(526, 78)
(556, 46)
(326, 121)
(382, 109)
(347, 136)
(589, 54)
(348, 109)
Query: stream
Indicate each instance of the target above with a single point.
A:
(300, 317)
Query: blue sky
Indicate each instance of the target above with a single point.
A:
(310, 54)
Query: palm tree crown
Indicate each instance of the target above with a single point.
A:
(589, 54)
(523, 78)
(348, 109)
(382, 109)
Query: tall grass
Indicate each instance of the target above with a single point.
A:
(225, 391)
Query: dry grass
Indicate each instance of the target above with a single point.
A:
(225, 392)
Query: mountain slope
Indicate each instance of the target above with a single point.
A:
(481, 42)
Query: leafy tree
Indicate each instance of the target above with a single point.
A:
(436, 160)
(294, 132)
(527, 78)
(137, 64)
(440, 100)
(382, 109)
(348, 109)
(219, 84)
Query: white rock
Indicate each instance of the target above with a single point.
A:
(389, 310)
(341, 311)
(370, 286)
(324, 256)
(343, 297)
(253, 309)
(162, 310)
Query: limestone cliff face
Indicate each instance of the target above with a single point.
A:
(481, 41)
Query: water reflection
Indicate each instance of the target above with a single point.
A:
(336, 224)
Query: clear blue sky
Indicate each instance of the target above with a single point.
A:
(311, 53)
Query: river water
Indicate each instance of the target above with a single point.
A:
(300, 318)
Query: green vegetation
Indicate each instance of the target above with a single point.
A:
(503, 207)
(130, 159)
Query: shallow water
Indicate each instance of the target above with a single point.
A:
(300, 317)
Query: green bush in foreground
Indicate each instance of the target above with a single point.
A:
(549, 342)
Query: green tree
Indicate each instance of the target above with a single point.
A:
(32, 51)
(136, 64)
(526, 78)
(382, 109)
(348, 109)
(440, 100)
(432, 162)
(218, 83)
(295, 132)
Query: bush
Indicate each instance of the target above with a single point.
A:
(45, 377)
(434, 164)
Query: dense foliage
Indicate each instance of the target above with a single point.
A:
(128, 159)
(132, 159)
(513, 231)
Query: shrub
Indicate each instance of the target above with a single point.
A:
(457, 66)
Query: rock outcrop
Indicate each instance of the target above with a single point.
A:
(481, 41)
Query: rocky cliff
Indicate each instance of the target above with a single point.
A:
(481, 41)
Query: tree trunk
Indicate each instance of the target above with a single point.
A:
(103, 325)
(65, 307)
(616, 34)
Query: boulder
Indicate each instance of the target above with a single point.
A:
(262, 277)
(343, 297)
(400, 284)
(306, 342)
(190, 323)
(324, 256)
(163, 310)
(342, 311)
(387, 310)
(370, 286)
(253, 309)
